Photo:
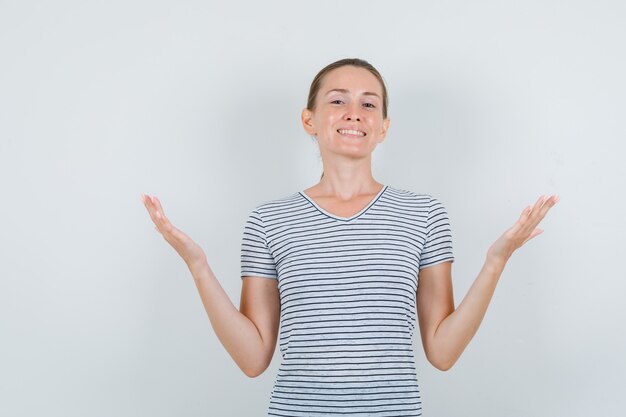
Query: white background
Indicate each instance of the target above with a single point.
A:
(492, 103)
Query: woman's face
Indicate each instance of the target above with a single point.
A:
(348, 115)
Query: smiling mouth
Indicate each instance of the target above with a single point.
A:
(351, 133)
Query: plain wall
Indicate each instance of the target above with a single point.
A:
(492, 103)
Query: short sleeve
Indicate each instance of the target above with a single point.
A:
(256, 259)
(438, 244)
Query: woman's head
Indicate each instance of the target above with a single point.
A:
(347, 111)
(356, 62)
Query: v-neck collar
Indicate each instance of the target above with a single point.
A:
(354, 216)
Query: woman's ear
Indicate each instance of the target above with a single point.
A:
(307, 122)
(383, 132)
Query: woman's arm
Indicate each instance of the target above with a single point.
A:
(249, 334)
(445, 331)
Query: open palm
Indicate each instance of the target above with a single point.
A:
(523, 230)
(191, 252)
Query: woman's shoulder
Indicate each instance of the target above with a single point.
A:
(407, 194)
(420, 198)
(276, 203)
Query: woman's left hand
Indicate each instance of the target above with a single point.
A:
(522, 231)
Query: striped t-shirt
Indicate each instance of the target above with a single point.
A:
(348, 299)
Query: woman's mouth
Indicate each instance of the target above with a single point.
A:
(351, 133)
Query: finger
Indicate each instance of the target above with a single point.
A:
(538, 204)
(530, 212)
(550, 202)
(159, 218)
(155, 209)
(151, 208)
(157, 204)
(159, 209)
(529, 222)
(525, 213)
(156, 214)
(543, 204)
(148, 202)
(540, 213)
(144, 200)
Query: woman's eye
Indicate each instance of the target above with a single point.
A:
(334, 101)
(370, 104)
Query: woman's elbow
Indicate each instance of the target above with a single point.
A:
(252, 373)
(256, 370)
(441, 363)
(443, 366)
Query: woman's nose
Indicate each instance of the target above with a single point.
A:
(353, 113)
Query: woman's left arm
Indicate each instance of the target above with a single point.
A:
(445, 331)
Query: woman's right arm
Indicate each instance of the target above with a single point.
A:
(248, 335)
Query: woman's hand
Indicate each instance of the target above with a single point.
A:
(191, 253)
(522, 231)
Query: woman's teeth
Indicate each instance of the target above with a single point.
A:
(351, 132)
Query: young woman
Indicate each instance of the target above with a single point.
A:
(337, 266)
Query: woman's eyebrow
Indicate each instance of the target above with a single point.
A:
(343, 90)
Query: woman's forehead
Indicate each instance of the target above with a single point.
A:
(350, 78)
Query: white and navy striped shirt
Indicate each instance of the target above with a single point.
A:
(348, 299)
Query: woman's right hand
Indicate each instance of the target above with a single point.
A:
(191, 253)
